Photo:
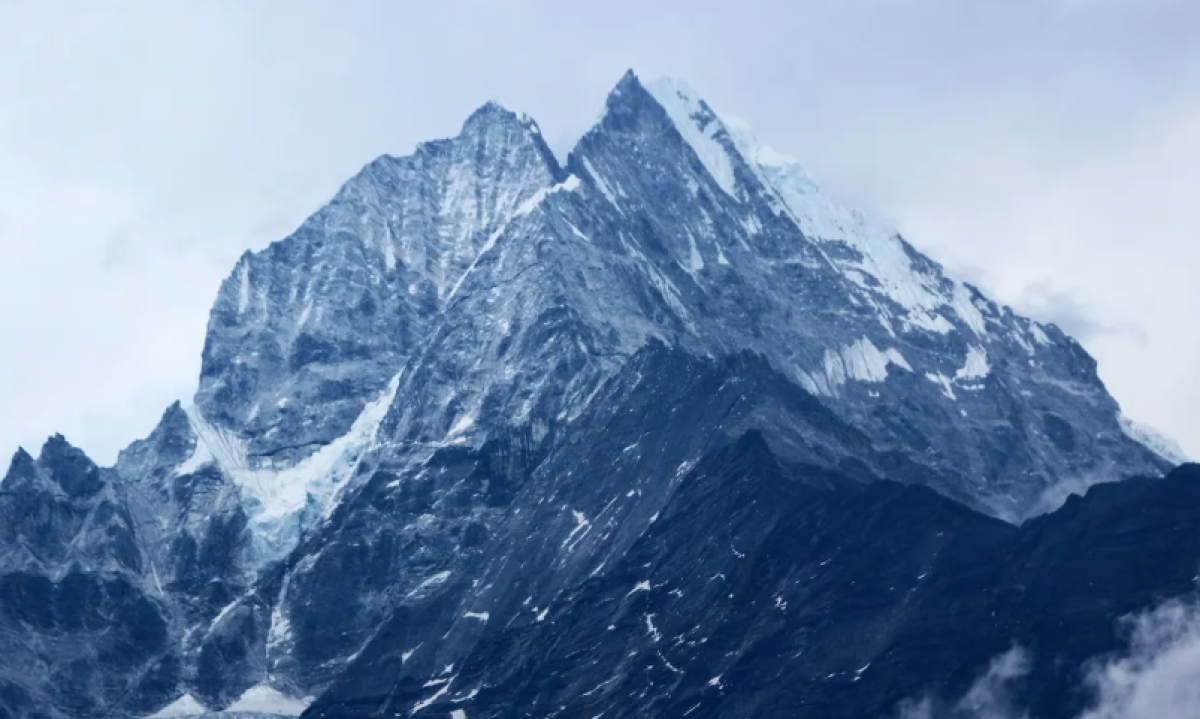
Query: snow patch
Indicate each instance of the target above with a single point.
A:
(651, 629)
(695, 261)
(976, 365)
(437, 695)
(966, 309)
(280, 632)
(244, 287)
(576, 231)
(582, 527)
(897, 359)
(464, 422)
(601, 184)
(642, 586)
(429, 583)
(224, 611)
(946, 383)
(568, 185)
(199, 457)
(184, 706)
(861, 361)
(1152, 439)
(389, 256)
(265, 699)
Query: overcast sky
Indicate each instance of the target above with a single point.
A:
(1047, 150)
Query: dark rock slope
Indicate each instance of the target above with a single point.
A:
(759, 592)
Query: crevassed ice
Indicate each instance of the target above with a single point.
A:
(276, 498)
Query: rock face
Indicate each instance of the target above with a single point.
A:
(758, 594)
(482, 407)
(80, 632)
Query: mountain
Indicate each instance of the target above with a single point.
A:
(445, 423)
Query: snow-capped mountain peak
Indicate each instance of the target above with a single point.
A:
(476, 381)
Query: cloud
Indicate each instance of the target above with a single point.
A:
(1157, 675)
(1050, 303)
(990, 697)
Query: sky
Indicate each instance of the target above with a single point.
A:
(1046, 150)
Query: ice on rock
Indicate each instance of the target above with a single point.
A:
(1152, 439)
(578, 532)
(897, 359)
(243, 286)
(200, 456)
(184, 706)
(424, 703)
(884, 256)
(462, 424)
(946, 383)
(699, 126)
(820, 217)
(965, 308)
(265, 699)
(429, 583)
(277, 498)
(280, 632)
(598, 179)
(976, 365)
(861, 361)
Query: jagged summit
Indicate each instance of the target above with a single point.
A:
(19, 468)
(60, 462)
(673, 223)
(488, 112)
